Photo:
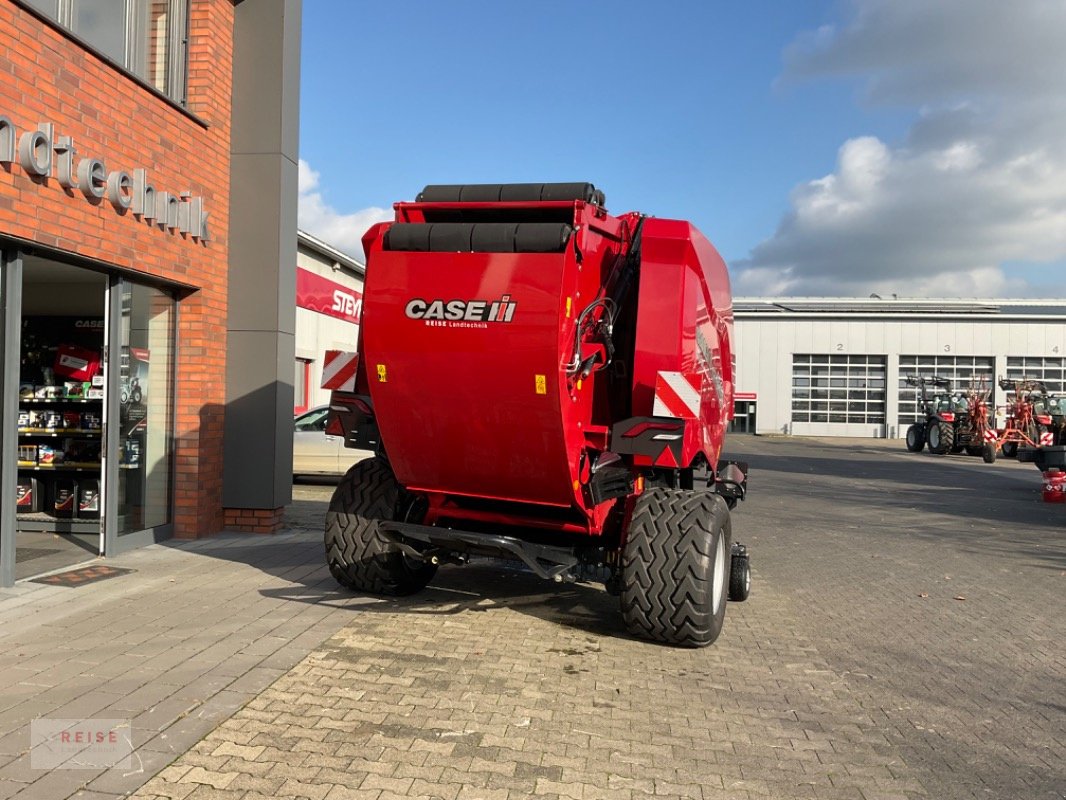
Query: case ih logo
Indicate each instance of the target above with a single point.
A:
(501, 310)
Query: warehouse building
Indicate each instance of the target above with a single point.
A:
(329, 299)
(838, 367)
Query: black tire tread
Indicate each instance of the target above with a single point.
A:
(919, 438)
(358, 555)
(668, 566)
(947, 438)
(739, 581)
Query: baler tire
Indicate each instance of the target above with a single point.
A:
(944, 439)
(988, 453)
(675, 567)
(359, 557)
(915, 438)
(739, 579)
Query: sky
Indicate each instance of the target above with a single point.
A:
(826, 147)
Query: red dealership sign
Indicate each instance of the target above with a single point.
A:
(324, 296)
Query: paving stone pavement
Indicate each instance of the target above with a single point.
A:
(193, 633)
(852, 672)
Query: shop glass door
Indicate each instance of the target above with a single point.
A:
(140, 472)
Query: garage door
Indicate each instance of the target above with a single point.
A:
(1048, 370)
(960, 370)
(838, 395)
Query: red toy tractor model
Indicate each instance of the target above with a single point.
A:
(544, 382)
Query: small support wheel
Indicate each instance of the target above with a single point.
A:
(988, 453)
(739, 574)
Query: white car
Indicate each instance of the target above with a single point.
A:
(315, 453)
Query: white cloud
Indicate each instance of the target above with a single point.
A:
(317, 217)
(980, 179)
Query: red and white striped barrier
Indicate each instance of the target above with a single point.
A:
(677, 395)
(1047, 439)
(338, 370)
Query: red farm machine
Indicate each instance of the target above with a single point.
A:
(545, 382)
(1032, 419)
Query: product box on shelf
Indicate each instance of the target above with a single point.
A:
(28, 495)
(75, 362)
(53, 421)
(25, 391)
(89, 498)
(48, 456)
(24, 419)
(64, 497)
(47, 392)
(72, 420)
(28, 455)
(91, 421)
(75, 390)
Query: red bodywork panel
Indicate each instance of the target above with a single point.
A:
(685, 324)
(464, 356)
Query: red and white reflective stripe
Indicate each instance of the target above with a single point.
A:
(990, 435)
(338, 370)
(677, 395)
(1047, 439)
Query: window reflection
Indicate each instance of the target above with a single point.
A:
(145, 391)
(102, 23)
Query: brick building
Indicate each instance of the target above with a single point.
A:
(148, 154)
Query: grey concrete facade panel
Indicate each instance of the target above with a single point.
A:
(262, 268)
(266, 78)
(260, 361)
(257, 456)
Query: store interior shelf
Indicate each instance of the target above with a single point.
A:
(25, 465)
(46, 524)
(59, 400)
(57, 432)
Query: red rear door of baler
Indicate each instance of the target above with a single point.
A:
(463, 355)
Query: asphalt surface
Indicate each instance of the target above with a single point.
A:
(904, 639)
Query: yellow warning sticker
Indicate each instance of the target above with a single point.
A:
(382, 377)
(569, 302)
(542, 384)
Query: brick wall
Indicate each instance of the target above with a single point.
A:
(47, 77)
(258, 520)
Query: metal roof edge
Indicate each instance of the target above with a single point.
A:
(328, 250)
